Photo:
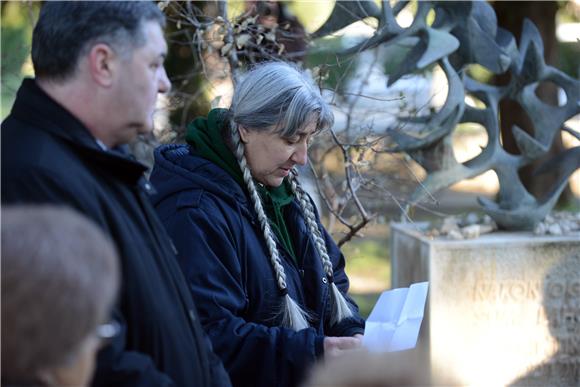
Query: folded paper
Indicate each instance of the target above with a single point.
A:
(394, 322)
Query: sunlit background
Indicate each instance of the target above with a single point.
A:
(368, 257)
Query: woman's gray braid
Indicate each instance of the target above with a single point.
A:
(340, 307)
(293, 315)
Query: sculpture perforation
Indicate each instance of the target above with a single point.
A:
(462, 34)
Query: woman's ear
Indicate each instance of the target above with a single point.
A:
(244, 134)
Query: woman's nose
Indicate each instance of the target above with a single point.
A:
(300, 155)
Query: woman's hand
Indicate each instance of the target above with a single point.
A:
(335, 346)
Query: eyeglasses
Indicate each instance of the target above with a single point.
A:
(107, 332)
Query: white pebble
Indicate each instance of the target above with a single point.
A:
(555, 229)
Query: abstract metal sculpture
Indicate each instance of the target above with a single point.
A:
(465, 33)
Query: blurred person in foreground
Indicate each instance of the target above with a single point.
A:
(99, 68)
(60, 277)
(268, 279)
(367, 369)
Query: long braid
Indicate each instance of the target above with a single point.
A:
(293, 315)
(340, 307)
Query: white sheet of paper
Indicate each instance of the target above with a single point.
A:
(394, 322)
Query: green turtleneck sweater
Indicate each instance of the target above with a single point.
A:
(204, 136)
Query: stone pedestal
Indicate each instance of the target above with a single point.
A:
(503, 309)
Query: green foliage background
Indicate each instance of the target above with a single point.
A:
(17, 20)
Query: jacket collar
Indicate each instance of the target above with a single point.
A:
(37, 108)
(178, 169)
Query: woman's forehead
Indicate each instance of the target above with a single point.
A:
(309, 127)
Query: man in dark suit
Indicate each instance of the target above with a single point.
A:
(99, 68)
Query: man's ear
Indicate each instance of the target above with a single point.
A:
(102, 64)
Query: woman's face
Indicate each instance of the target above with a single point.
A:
(271, 157)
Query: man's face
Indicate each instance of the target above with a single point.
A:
(139, 79)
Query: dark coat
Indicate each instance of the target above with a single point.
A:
(48, 156)
(225, 260)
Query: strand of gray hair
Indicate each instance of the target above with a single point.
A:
(340, 307)
(293, 316)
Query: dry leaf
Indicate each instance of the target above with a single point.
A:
(242, 40)
(281, 49)
(163, 4)
(226, 49)
(271, 36)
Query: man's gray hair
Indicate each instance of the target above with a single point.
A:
(60, 277)
(280, 97)
(66, 30)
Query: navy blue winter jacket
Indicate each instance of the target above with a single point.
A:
(225, 260)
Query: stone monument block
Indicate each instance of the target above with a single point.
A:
(503, 309)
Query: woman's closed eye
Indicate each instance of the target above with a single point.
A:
(298, 138)
(293, 139)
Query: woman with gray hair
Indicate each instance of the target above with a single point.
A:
(60, 277)
(268, 280)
